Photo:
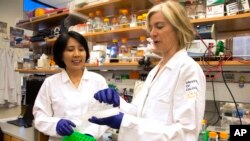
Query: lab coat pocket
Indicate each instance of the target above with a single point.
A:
(163, 96)
(162, 107)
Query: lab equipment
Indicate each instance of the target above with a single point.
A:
(76, 136)
(64, 127)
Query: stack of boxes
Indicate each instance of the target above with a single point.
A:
(215, 8)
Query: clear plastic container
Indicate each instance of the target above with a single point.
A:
(106, 24)
(141, 47)
(201, 9)
(124, 19)
(139, 20)
(98, 21)
(123, 50)
(90, 22)
(115, 24)
(144, 19)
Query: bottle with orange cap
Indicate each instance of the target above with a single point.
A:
(98, 22)
(224, 136)
(139, 20)
(141, 47)
(90, 22)
(213, 136)
(144, 19)
(106, 24)
(124, 19)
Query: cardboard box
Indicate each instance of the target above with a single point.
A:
(215, 11)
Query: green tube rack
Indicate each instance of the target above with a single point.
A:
(76, 136)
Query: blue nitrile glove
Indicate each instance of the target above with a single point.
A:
(64, 127)
(109, 96)
(113, 121)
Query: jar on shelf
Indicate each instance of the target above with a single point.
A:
(124, 19)
(90, 22)
(190, 9)
(139, 20)
(144, 19)
(115, 24)
(201, 9)
(114, 49)
(141, 47)
(98, 21)
(106, 24)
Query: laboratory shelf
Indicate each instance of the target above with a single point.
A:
(232, 23)
(93, 66)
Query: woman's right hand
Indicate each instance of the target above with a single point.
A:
(109, 96)
(64, 127)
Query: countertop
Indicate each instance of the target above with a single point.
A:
(25, 134)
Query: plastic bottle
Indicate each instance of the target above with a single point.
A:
(124, 19)
(213, 136)
(123, 50)
(223, 136)
(139, 20)
(106, 24)
(201, 9)
(123, 47)
(115, 24)
(133, 22)
(90, 22)
(144, 19)
(98, 24)
(203, 133)
(114, 49)
(142, 45)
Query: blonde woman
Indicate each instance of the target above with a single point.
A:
(171, 104)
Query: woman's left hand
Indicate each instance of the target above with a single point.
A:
(112, 121)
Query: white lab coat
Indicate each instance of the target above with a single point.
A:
(2, 74)
(170, 106)
(59, 98)
(10, 85)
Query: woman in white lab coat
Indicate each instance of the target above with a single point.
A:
(171, 104)
(65, 97)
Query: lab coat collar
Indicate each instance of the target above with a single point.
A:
(65, 76)
(173, 60)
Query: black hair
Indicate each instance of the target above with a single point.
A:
(61, 44)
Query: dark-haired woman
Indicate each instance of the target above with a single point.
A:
(65, 97)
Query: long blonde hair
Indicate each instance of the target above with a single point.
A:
(177, 16)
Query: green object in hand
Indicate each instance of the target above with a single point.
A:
(76, 136)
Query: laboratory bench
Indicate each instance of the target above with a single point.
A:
(14, 133)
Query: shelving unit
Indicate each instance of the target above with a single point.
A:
(223, 25)
(231, 23)
(43, 21)
(108, 7)
(105, 66)
(130, 33)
